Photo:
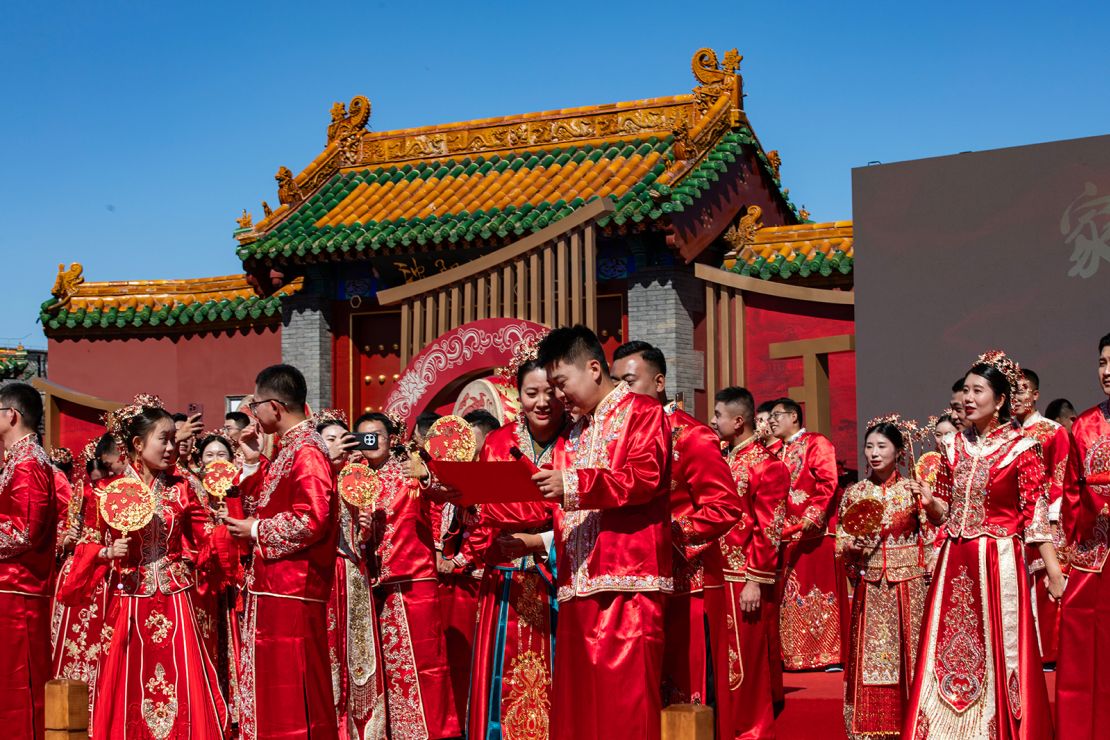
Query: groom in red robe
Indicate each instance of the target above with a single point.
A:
(292, 519)
(27, 535)
(613, 546)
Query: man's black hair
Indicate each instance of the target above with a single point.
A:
(1032, 377)
(424, 422)
(24, 399)
(482, 419)
(742, 397)
(240, 419)
(572, 344)
(789, 404)
(284, 383)
(651, 354)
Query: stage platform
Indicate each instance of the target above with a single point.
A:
(815, 706)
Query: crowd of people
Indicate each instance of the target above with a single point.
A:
(653, 560)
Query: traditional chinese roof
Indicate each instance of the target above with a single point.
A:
(496, 179)
(80, 307)
(805, 250)
(13, 362)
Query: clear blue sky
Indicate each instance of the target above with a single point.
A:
(133, 133)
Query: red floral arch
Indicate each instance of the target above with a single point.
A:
(470, 350)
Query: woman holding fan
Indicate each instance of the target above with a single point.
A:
(157, 680)
(880, 540)
(980, 672)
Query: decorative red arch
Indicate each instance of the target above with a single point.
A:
(474, 348)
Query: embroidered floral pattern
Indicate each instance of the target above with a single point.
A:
(302, 435)
(406, 715)
(13, 539)
(158, 625)
(528, 706)
(961, 664)
(160, 712)
(810, 626)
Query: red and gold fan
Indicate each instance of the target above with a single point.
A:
(864, 518)
(126, 504)
(927, 467)
(452, 439)
(359, 485)
(219, 476)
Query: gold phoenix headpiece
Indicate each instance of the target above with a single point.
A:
(117, 421)
(330, 416)
(61, 456)
(909, 428)
(1001, 362)
(523, 353)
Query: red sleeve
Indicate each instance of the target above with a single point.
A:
(30, 520)
(309, 519)
(1072, 506)
(63, 493)
(1032, 497)
(821, 460)
(250, 486)
(637, 478)
(767, 490)
(197, 526)
(717, 505)
(1056, 462)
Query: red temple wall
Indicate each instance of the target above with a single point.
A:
(182, 369)
(768, 320)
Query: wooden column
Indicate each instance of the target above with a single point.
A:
(591, 277)
(814, 394)
(711, 342)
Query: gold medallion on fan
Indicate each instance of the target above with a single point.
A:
(452, 439)
(126, 504)
(864, 518)
(359, 485)
(219, 476)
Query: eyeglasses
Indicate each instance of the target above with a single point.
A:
(253, 405)
(777, 414)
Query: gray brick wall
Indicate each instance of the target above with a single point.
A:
(306, 339)
(662, 302)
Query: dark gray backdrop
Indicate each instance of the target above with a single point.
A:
(955, 255)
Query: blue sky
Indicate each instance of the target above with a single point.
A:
(134, 133)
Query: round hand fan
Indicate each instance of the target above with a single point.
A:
(126, 505)
(451, 439)
(359, 485)
(927, 467)
(218, 477)
(864, 518)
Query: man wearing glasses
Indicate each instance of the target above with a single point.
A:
(292, 522)
(27, 534)
(814, 595)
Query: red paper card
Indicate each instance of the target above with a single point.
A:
(488, 482)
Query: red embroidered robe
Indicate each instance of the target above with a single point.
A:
(746, 662)
(613, 544)
(288, 584)
(979, 672)
(28, 529)
(1083, 663)
(157, 680)
(418, 687)
(888, 571)
(813, 599)
(704, 505)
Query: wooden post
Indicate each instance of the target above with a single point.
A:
(687, 722)
(814, 395)
(67, 710)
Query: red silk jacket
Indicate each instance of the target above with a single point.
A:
(297, 510)
(750, 549)
(162, 555)
(704, 500)
(613, 531)
(28, 522)
(1055, 445)
(404, 541)
(1086, 510)
(811, 460)
(994, 487)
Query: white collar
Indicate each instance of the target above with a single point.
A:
(797, 434)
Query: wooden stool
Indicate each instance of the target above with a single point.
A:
(67, 710)
(687, 722)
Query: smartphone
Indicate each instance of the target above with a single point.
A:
(367, 441)
(194, 409)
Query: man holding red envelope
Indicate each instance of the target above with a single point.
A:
(613, 546)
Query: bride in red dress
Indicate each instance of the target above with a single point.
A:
(156, 681)
(979, 670)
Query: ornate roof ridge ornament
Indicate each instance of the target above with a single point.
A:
(716, 79)
(741, 235)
